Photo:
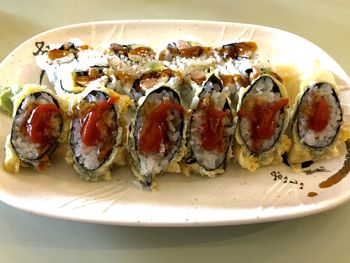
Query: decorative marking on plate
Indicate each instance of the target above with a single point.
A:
(284, 186)
(222, 34)
(41, 48)
(273, 194)
(121, 32)
(114, 32)
(93, 33)
(286, 180)
(121, 195)
(113, 195)
(342, 173)
(102, 191)
(247, 34)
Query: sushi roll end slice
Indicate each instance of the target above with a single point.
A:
(317, 128)
(37, 129)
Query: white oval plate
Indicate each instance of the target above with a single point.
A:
(237, 197)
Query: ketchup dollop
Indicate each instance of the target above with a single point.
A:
(155, 131)
(93, 123)
(262, 117)
(319, 116)
(213, 129)
(39, 124)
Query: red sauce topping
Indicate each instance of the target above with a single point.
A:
(319, 117)
(93, 122)
(154, 132)
(212, 132)
(39, 124)
(262, 116)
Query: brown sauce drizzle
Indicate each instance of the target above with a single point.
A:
(120, 49)
(312, 194)
(85, 77)
(238, 80)
(141, 52)
(240, 49)
(190, 52)
(342, 173)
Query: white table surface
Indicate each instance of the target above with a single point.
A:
(320, 238)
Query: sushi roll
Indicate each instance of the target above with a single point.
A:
(156, 75)
(65, 52)
(185, 49)
(262, 122)
(71, 66)
(133, 52)
(76, 81)
(129, 63)
(156, 140)
(194, 78)
(97, 134)
(130, 59)
(188, 57)
(237, 50)
(317, 125)
(59, 55)
(37, 129)
(236, 66)
(210, 131)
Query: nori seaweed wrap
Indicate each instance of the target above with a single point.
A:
(97, 133)
(262, 122)
(210, 130)
(37, 128)
(156, 139)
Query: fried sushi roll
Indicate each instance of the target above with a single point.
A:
(156, 140)
(97, 133)
(37, 129)
(210, 131)
(262, 122)
(317, 126)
